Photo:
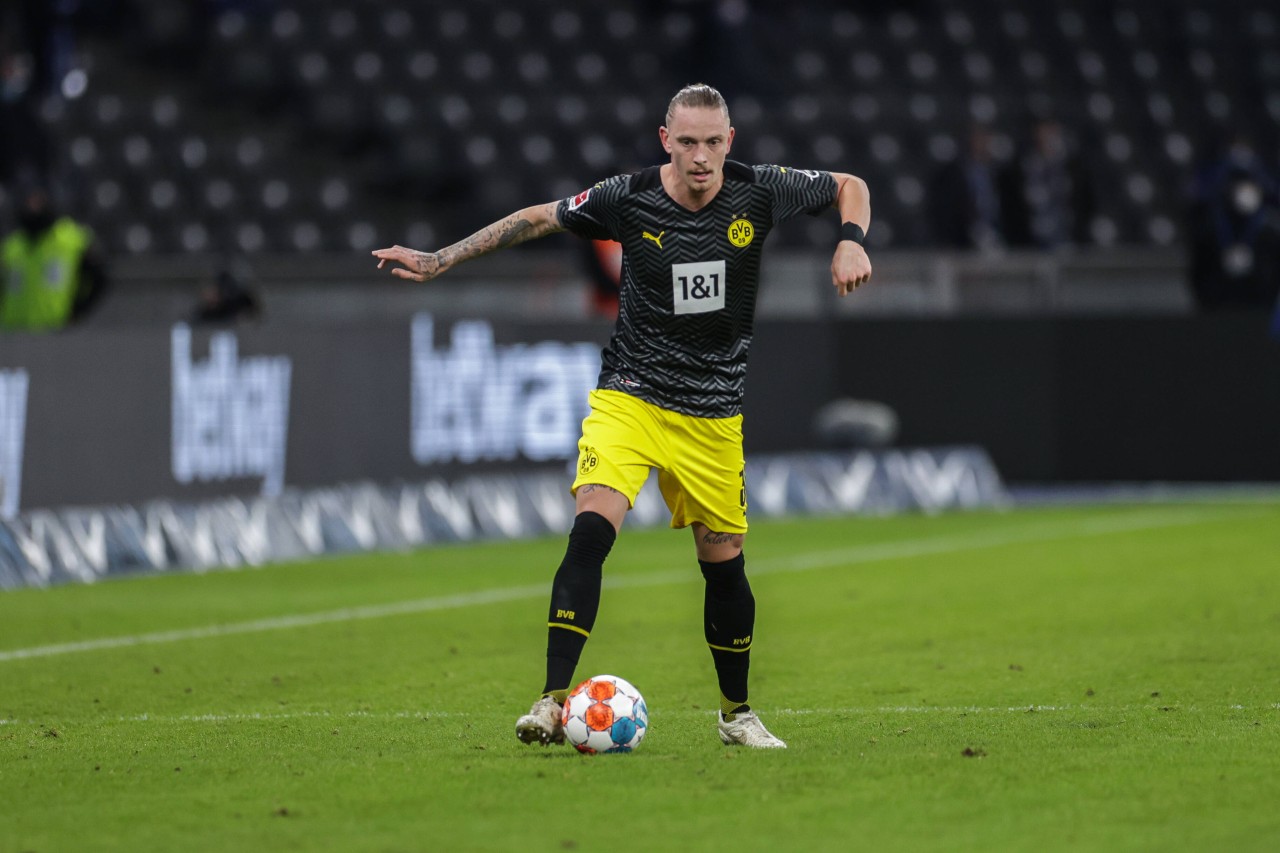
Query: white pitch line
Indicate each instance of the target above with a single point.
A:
(878, 552)
(278, 623)
(992, 539)
(902, 710)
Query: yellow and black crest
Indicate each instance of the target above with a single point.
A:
(741, 233)
(588, 459)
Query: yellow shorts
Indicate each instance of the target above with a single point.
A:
(701, 470)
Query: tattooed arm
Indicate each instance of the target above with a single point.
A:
(521, 226)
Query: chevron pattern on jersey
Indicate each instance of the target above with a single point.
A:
(689, 279)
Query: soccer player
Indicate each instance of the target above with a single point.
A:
(671, 384)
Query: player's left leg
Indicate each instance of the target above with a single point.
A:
(729, 613)
(706, 489)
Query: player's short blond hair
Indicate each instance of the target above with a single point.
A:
(698, 95)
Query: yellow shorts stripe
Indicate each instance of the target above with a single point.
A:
(745, 648)
(568, 628)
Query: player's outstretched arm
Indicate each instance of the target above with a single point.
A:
(851, 267)
(521, 226)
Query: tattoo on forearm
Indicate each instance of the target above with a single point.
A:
(516, 228)
(510, 230)
(491, 238)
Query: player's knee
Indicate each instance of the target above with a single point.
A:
(714, 546)
(727, 579)
(604, 501)
(591, 538)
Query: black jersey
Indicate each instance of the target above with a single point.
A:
(689, 278)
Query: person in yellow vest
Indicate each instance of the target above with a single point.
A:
(50, 273)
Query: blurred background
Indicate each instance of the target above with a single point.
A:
(1076, 225)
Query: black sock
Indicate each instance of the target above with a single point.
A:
(575, 599)
(729, 615)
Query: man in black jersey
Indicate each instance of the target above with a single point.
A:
(671, 384)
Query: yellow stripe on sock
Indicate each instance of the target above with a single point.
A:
(728, 706)
(745, 648)
(568, 628)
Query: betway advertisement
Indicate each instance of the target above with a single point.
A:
(191, 413)
(477, 400)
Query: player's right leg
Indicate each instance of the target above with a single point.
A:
(612, 466)
(575, 600)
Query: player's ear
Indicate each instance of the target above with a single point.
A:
(665, 136)
(728, 141)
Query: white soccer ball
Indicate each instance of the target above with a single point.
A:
(605, 714)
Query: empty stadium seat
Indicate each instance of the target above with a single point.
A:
(455, 111)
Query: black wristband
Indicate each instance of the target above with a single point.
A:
(852, 231)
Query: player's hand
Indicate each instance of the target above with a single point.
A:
(850, 267)
(416, 266)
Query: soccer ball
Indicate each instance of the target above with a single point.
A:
(605, 714)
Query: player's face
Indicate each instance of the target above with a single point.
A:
(698, 140)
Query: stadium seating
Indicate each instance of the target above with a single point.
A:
(336, 125)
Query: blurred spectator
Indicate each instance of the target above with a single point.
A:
(48, 36)
(229, 297)
(1235, 233)
(1048, 197)
(52, 275)
(24, 145)
(603, 260)
(965, 198)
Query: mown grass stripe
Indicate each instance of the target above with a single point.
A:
(859, 554)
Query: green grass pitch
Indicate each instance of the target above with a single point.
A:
(1098, 678)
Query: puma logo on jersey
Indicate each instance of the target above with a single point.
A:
(646, 235)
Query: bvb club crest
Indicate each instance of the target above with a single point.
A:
(741, 233)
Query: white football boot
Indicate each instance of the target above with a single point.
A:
(747, 730)
(543, 724)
